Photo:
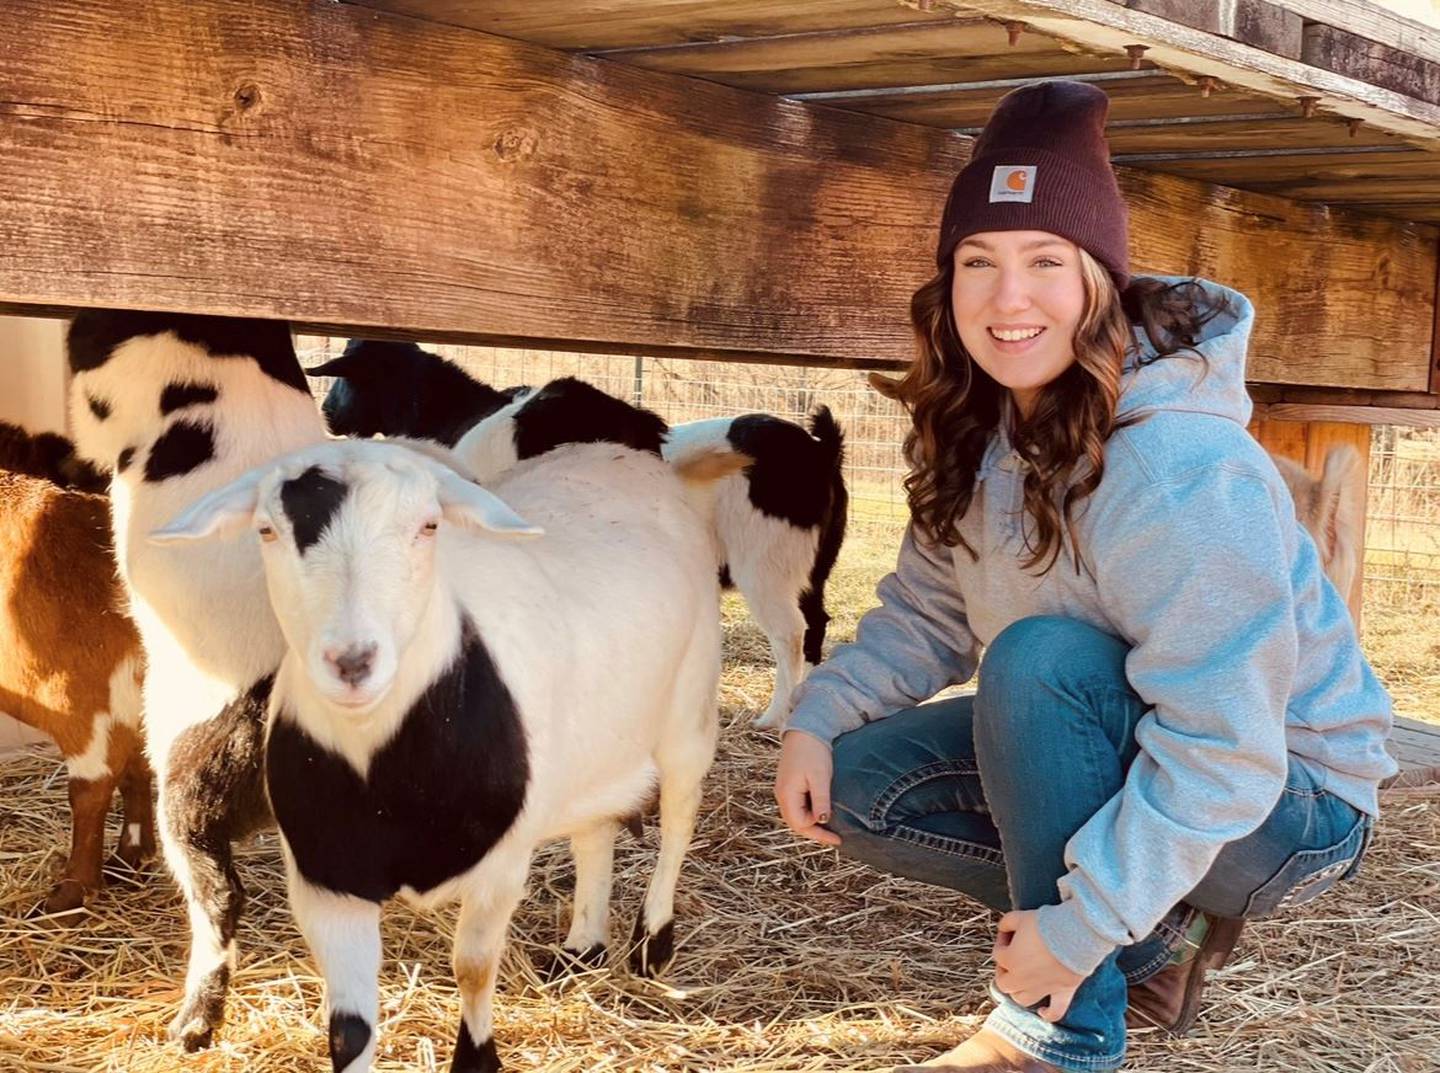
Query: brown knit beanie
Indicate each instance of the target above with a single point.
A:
(1042, 164)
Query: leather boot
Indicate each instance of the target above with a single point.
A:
(1170, 999)
(984, 1052)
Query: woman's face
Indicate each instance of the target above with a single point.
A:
(1018, 299)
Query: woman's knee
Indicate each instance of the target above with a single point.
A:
(1044, 652)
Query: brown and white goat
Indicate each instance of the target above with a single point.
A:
(70, 666)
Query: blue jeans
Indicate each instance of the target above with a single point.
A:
(1052, 731)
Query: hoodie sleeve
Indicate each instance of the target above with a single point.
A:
(1193, 572)
(909, 648)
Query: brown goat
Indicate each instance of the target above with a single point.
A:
(70, 666)
(1332, 507)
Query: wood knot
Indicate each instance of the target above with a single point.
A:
(247, 96)
(515, 144)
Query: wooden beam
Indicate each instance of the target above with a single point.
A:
(1370, 61)
(334, 166)
(360, 172)
(1253, 22)
(607, 24)
(1373, 21)
(1272, 245)
(1351, 415)
(1108, 28)
(1435, 336)
(1333, 396)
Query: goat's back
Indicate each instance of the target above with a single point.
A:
(61, 607)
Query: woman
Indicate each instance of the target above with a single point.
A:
(1174, 727)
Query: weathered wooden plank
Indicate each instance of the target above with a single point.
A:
(1372, 20)
(1106, 26)
(363, 172)
(967, 50)
(1267, 26)
(1380, 65)
(1415, 745)
(1252, 22)
(1334, 396)
(1220, 135)
(332, 165)
(1361, 415)
(1143, 98)
(588, 25)
(1232, 236)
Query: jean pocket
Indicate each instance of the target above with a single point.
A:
(1308, 874)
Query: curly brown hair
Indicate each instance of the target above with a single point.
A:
(956, 407)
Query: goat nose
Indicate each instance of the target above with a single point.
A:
(353, 664)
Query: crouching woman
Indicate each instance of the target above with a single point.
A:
(1174, 728)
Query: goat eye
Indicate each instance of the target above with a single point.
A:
(267, 534)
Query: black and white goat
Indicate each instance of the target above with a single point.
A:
(460, 686)
(178, 406)
(778, 526)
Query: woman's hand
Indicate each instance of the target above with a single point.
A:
(1027, 971)
(802, 786)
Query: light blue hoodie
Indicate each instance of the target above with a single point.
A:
(1239, 642)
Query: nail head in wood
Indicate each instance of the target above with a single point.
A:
(1014, 29)
(1136, 53)
(1308, 106)
(1208, 85)
(1355, 125)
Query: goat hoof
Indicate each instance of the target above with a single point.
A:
(193, 1034)
(67, 897)
(651, 953)
(767, 721)
(557, 965)
(133, 855)
(202, 1012)
(470, 1058)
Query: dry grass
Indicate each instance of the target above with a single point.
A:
(790, 959)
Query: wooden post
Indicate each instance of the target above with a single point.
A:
(1308, 442)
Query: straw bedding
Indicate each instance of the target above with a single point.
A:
(789, 958)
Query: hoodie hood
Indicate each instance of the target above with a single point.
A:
(1185, 382)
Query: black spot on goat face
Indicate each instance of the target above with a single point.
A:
(178, 396)
(184, 446)
(96, 333)
(310, 502)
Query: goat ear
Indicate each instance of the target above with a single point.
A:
(221, 513)
(466, 503)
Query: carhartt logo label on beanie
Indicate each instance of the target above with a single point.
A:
(1013, 182)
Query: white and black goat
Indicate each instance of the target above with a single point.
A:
(460, 687)
(178, 406)
(778, 526)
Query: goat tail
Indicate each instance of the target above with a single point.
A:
(826, 430)
(709, 462)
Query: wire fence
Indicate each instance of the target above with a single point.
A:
(1402, 541)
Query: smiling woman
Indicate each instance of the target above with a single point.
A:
(1174, 729)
